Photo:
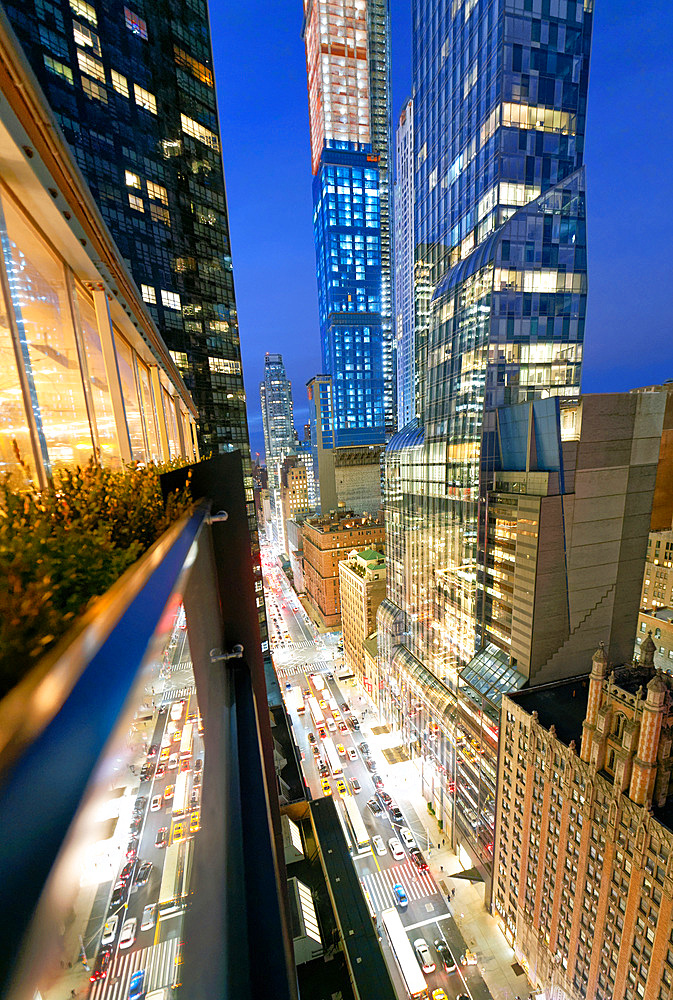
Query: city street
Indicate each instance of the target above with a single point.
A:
(300, 653)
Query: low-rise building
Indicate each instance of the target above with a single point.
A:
(658, 577)
(328, 539)
(658, 623)
(295, 552)
(583, 880)
(362, 587)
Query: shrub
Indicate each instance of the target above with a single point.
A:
(63, 546)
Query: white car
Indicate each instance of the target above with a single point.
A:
(155, 804)
(128, 934)
(352, 755)
(379, 846)
(396, 849)
(149, 917)
(407, 837)
(110, 930)
(423, 955)
(172, 762)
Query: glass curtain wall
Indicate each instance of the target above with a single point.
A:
(53, 376)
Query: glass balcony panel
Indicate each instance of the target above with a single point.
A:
(100, 389)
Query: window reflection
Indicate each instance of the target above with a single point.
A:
(100, 390)
(39, 293)
(130, 393)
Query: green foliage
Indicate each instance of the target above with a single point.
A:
(431, 809)
(62, 547)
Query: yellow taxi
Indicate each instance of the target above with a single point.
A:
(178, 832)
(341, 786)
(439, 995)
(168, 792)
(341, 749)
(194, 824)
(326, 787)
(323, 705)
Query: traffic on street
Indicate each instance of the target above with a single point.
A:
(388, 847)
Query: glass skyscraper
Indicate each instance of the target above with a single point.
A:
(132, 88)
(347, 57)
(500, 94)
(404, 266)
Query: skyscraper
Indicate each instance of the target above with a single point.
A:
(277, 418)
(404, 266)
(500, 239)
(347, 58)
(134, 93)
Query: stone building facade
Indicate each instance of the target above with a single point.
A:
(583, 886)
(362, 587)
(328, 540)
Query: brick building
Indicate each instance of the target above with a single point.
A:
(583, 885)
(294, 496)
(328, 540)
(362, 586)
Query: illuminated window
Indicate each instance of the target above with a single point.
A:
(136, 202)
(225, 366)
(200, 71)
(58, 67)
(148, 294)
(84, 10)
(144, 99)
(179, 357)
(91, 66)
(132, 180)
(199, 132)
(94, 90)
(160, 214)
(171, 300)
(120, 83)
(134, 23)
(85, 37)
(157, 192)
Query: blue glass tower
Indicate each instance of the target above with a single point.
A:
(347, 225)
(347, 61)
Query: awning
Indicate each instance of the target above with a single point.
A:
(470, 874)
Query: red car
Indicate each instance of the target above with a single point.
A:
(102, 965)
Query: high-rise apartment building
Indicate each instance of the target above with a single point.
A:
(404, 266)
(132, 88)
(584, 853)
(277, 416)
(347, 60)
(275, 394)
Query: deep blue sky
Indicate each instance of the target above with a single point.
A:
(261, 81)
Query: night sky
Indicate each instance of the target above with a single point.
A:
(261, 81)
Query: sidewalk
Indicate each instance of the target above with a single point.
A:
(480, 932)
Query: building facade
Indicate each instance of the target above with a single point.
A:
(328, 540)
(133, 91)
(348, 71)
(348, 477)
(362, 587)
(658, 625)
(275, 394)
(584, 862)
(404, 266)
(568, 517)
(294, 496)
(85, 370)
(658, 576)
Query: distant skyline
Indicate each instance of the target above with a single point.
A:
(261, 83)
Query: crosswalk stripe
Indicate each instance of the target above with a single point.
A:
(320, 666)
(173, 693)
(157, 960)
(416, 884)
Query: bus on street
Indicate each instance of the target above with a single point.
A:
(181, 794)
(186, 741)
(332, 757)
(359, 833)
(294, 699)
(318, 683)
(316, 712)
(400, 945)
(175, 878)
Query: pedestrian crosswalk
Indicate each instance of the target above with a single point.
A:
(172, 694)
(181, 667)
(158, 961)
(417, 884)
(318, 667)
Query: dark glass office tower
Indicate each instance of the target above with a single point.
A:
(133, 90)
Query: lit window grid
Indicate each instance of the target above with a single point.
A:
(144, 99)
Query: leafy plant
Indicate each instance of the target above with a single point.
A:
(64, 546)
